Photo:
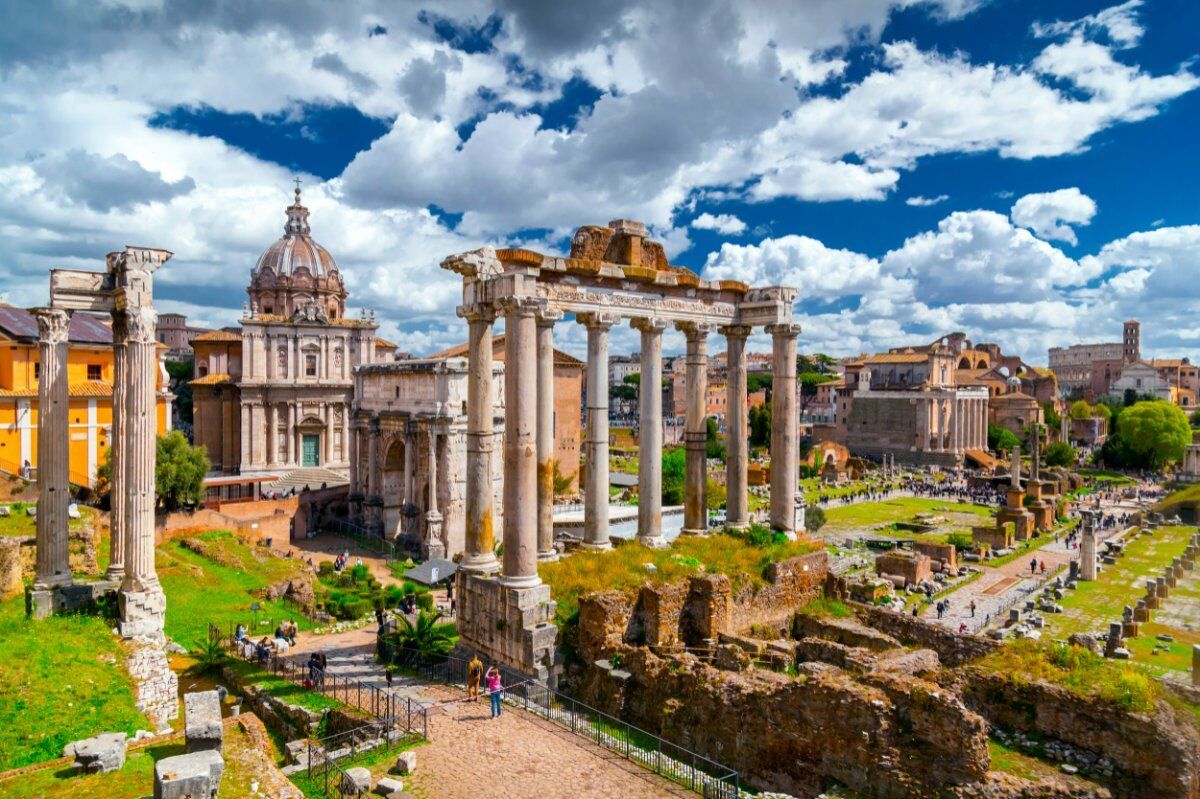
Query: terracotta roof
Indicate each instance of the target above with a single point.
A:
(387, 345)
(214, 379)
(460, 351)
(896, 357)
(85, 388)
(217, 335)
(1014, 396)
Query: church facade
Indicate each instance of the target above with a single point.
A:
(275, 395)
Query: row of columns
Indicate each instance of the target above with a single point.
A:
(960, 424)
(529, 444)
(133, 450)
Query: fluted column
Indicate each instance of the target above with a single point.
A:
(595, 498)
(927, 412)
(479, 555)
(53, 567)
(695, 430)
(784, 451)
(737, 456)
(650, 434)
(545, 434)
(117, 453)
(140, 434)
(272, 432)
(520, 443)
(433, 546)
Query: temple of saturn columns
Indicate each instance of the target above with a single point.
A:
(124, 290)
(613, 274)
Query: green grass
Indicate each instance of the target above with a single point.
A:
(379, 761)
(61, 679)
(1121, 684)
(201, 590)
(875, 517)
(283, 689)
(19, 523)
(1170, 504)
(1095, 603)
(623, 568)
(824, 607)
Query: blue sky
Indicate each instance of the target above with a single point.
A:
(1022, 171)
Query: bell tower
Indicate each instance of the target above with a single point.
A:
(1132, 342)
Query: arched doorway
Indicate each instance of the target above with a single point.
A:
(393, 489)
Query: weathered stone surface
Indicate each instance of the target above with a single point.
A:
(389, 786)
(843, 631)
(202, 721)
(156, 686)
(406, 762)
(100, 753)
(1154, 755)
(196, 775)
(953, 649)
(356, 778)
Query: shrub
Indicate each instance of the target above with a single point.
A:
(961, 540)
(814, 518)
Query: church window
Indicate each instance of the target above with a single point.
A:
(310, 365)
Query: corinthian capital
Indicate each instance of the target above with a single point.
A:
(521, 306)
(784, 330)
(599, 319)
(695, 330)
(53, 324)
(140, 324)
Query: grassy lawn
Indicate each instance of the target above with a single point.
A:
(874, 517)
(1094, 604)
(136, 779)
(201, 590)
(283, 689)
(61, 679)
(623, 568)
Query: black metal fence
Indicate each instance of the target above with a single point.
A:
(682, 766)
(329, 757)
(395, 712)
(390, 550)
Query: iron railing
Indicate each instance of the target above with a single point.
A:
(362, 537)
(379, 702)
(682, 766)
(329, 757)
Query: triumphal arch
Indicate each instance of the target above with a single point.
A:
(613, 274)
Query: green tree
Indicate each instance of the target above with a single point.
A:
(1195, 418)
(1051, 416)
(674, 466)
(759, 381)
(426, 639)
(814, 518)
(623, 391)
(1102, 411)
(760, 425)
(1158, 431)
(179, 471)
(1001, 439)
(181, 373)
(634, 379)
(714, 495)
(1081, 410)
(1060, 453)
(810, 380)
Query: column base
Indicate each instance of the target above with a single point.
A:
(597, 546)
(42, 603)
(115, 573)
(654, 542)
(549, 556)
(479, 564)
(739, 527)
(522, 581)
(696, 532)
(52, 583)
(142, 610)
(510, 625)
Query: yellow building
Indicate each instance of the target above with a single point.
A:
(90, 374)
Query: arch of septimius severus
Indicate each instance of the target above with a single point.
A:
(613, 274)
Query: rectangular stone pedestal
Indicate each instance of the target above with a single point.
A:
(511, 626)
(1022, 521)
(73, 598)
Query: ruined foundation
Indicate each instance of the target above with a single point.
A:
(512, 626)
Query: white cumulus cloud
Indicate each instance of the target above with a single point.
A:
(725, 224)
(1051, 214)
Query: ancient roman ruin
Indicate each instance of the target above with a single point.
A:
(612, 274)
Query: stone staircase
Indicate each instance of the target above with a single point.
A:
(311, 478)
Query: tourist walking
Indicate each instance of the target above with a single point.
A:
(972, 608)
(495, 689)
(474, 675)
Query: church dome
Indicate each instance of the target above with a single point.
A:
(296, 250)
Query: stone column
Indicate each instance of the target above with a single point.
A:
(143, 605)
(545, 434)
(784, 451)
(289, 442)
(955, 426)
(1087, 547)
(479, 555)
(595, 499)
(53, 437)
(695, 429)
(117, 453)
(410, 463)
(927, 412)
(355, 497)
(328, 436)
(246, 458)
(373, 434)
(272, 432)
(433, 547)
(737, 504)
(520, 444)
(650, 434)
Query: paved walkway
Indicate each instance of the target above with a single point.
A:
(470, 755)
